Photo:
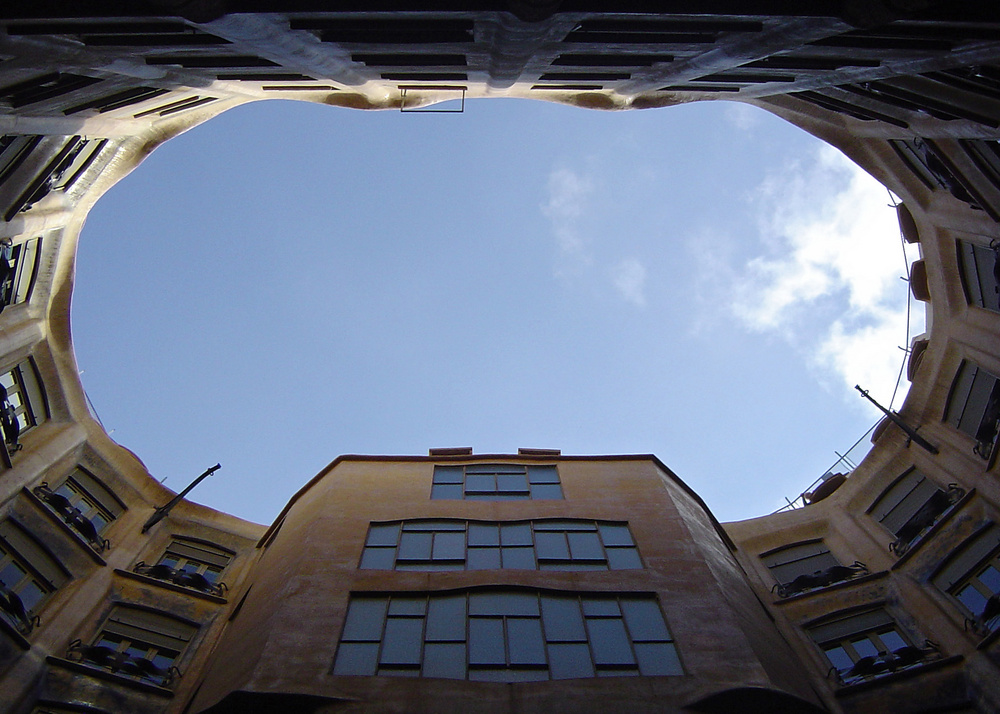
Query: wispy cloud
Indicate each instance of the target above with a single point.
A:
(629, 279)
(828, 277)
(569, 193)
(742, 116)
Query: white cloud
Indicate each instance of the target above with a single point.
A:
(742, 116)
(629, 278)
(828, 279)
(569, 195)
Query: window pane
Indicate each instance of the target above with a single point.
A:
(546, 491)
(401, 605)
(519, 558)
(570, 661)
(480, 483)
(524, 639)
(446, 619)
(484, 534)
(974, 600)
(563, 620)
(447, 491)
(543, 474)
(839, 658)
(657, 659)
(508, 483)
(551, 545)
(402, 641)
(585, 546)
(427, 525)
(990, 577)
(609, 641)
(364, 619)
(623, 558)
(31, 595)
(892, 640)
(644, 620)
(864, 647)
(378, 558)
(486, 603)
(601, 607)
(515, 534)
(449, 546)
(383, 534)
(448, 474)
(519, 603)
(486, 645)
(483, 559)
(445, 660)
(615, 534)
(356, 658)
(415, 546)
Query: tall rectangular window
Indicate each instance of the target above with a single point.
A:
(974, 406)
(910, 506)
(978, 265)
(506, 636)
(29, 575)
(18, 264)
(22, 405)
(544, 544)
(971, 576)
(496, 482)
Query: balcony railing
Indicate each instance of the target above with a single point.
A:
(122, 663)
(929, 514)
(184, 578)
(72, 516)
(821, 579)
(886, 663)
(13, 610)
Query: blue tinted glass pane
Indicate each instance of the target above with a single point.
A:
(446, 619)
(600, 607)
(839, 658)
(449, 546)
(623, 558)
(480, 483)
(484, 534)
(483, 559)
(447, 491)
(486, 645)
(507, 483)
(546, 492)
(562, 619)
(585, 546)
(378, 558)
(551, 545)
(615, 534)
(609, 642)
(519, 558)
(403, 640)
(448, 474)
(570, 661)
(402, 605)
(543, 474)
(356, 658)
(12, 574)
(364, 619)
(657, 659)
(864, 647)
(446, 660)
(519, 603)
(644, 620)
(515, 534)
(31, 595)
(524, 639)
(415, 546)
(892, 640)
(990, 577)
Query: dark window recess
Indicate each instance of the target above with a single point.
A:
(584, 76)
(265, 77)
(68, 27)
(616, 60)
(935, 170)
(85, 504)
(980, 269)
(29, 574)
(699, 88)
(14, 150)
(389, 32)
(808, 566)
(410, 60)
(985, 154)
(984, 81)
(915, 102)
(174, 107)
(190, 564)
(72, 160)
(971, 576)
(22, 404)
(124, 98)
(143, 34)
(890, 37)
(745, 78)
(496, 482)
(425, 76)
(18, 269)
(139, 644)
(211, 61)
(299, 88)
(910, 506)
(853, 110)
(48, 86)
(868, 645)
(974, 407)
(572, 87)
(809, 62)
(680, 32)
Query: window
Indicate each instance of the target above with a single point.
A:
(191, 563)
(28, 576)
(505, 636)
(910, 506)
(974, 406)
(141, 644)
(866, 645)
(972, 577)
(85, 504)
(17, 270)
(806, 566)
(980, 266)
(480, 545)
(22, 404)
(496, 482)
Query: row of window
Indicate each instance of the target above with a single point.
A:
(496, 482)
(550, 544)
(505, 636)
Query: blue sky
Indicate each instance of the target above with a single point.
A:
(289, 282)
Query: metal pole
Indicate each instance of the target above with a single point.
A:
(910, 431)
(161, 512)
